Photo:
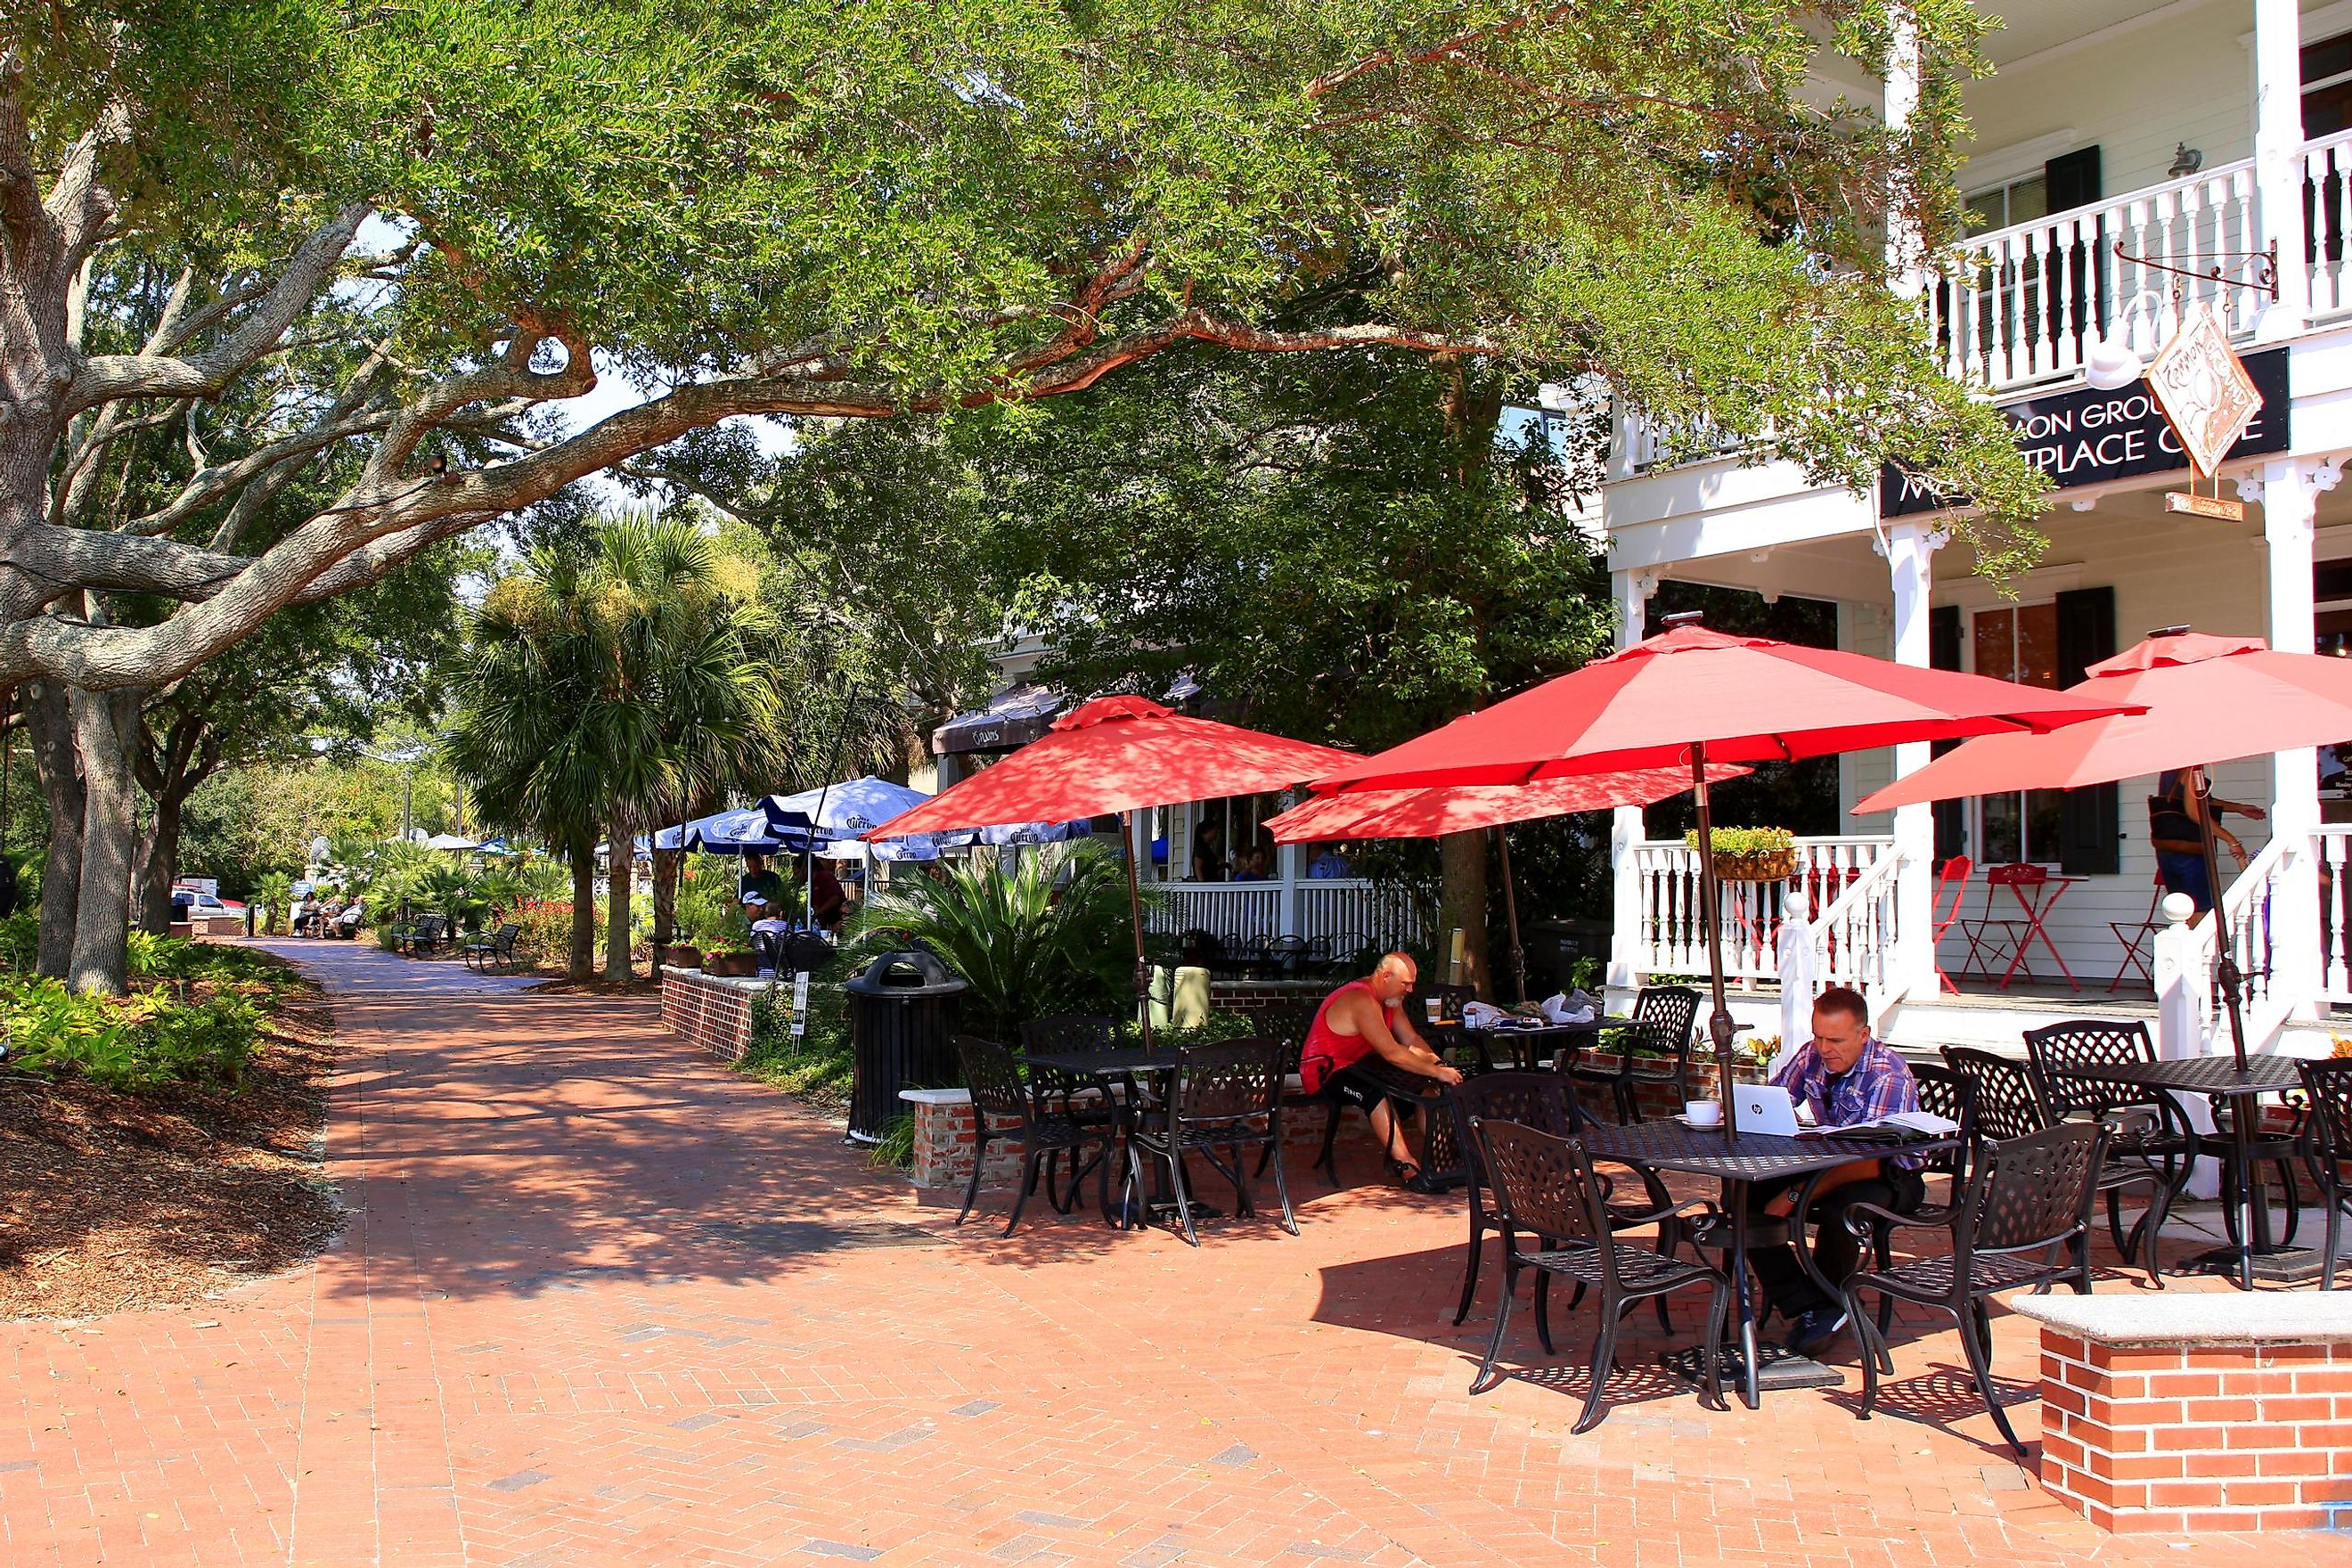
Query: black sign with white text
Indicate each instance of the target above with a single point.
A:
(2087, 436)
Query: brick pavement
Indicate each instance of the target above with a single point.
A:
(602, 1303)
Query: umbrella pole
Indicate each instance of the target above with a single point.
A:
(1710, 902)
(1511, 910)
(2232, 981)
(1135, 916)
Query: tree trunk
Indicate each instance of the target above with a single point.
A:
(103, 724)
(620, 876)
(580, 960)
(59, 766)
(161, 865)
(667, 863)
(1461, 863)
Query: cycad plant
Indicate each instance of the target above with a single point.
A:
(1050, 935)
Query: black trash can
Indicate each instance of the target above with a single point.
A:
(902, 1026)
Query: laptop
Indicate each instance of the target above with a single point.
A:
(1767, 1109)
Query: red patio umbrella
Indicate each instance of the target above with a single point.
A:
(1693, 697)
(1118, 754)
(1433, 813)
(2203, 699)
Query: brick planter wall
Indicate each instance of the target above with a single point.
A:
(711, 1012)
(2197, 1412)
(1257, 999)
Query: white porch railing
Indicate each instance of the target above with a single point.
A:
(1855, 938)
(1346, 913)
(1671, 938)
(2014, 305)
(2289, 913)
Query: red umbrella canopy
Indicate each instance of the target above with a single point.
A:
(2207, 699)
(1113, 755)
(1745, 699)
(1431, 813)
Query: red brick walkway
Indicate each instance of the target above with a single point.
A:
(603, 1303)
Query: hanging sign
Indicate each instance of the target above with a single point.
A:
(800, 1004)
(2203, 389)
(2086, 437)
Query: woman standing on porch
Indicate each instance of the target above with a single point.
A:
(2175, 817)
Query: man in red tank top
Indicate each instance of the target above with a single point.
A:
(1364, 1050)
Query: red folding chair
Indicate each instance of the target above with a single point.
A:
(1954, 875)
(2135, 936)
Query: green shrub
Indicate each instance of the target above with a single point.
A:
(387, 937)
(706, 913)
(896, 1147)
(144, 1041)
(546, 932)
(1744, 841)
(20, 940)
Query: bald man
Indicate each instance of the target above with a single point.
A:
(1365, 1051)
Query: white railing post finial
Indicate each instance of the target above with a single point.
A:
(2183, 966)
(1799, 983)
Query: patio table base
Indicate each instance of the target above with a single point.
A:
(1779, 1368)
(2277, 1266)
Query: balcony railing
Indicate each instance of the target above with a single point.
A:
(1671, 936)
(2012, 308)
(1347, 914)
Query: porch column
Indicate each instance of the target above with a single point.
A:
(1906, 257)
(2278, 161)
(1911, 547)
(2289, 497)
(1633, 590)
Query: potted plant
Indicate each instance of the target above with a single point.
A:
(734, 961)
(1751, 853)
(682, 956)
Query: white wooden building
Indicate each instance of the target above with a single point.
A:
(2200, 133)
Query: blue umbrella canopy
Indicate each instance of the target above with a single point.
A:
(855, 807)
(743, 831)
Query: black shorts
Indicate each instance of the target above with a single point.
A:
(1366, 1083)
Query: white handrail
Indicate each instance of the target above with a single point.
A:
(1854, 936)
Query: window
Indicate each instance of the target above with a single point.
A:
(2019, 644)
(2327, 84)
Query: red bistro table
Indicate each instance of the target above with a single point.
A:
(2037, 892)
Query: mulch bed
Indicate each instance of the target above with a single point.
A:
(112, 1201)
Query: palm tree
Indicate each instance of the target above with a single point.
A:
(603, 687)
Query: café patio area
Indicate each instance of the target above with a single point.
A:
(601, 1301)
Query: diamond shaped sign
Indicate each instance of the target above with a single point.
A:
(2203, 389)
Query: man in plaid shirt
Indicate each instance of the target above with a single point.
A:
(1847, 1077)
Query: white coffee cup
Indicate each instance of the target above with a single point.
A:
(1702, 1113)
(1436, 1008)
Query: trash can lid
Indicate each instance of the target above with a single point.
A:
(913, 972)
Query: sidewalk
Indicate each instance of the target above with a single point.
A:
(602, 1302)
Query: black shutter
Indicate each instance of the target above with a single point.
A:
(2090, 828)
(2069, 181)
(1944, 653)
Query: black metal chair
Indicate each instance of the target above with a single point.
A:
(2009, 1104)
(1289, 1022)
(1068, 1032)
(1081, 1097)
(2149, 1130)
(1225, 1096)
(1547, 1102)
(1545, 1188)
(1041, 1120)
(2327, 1149)
(496, 952)
(2028, 1201)
(1663, 1022)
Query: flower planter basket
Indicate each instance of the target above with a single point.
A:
(740, 965)
(682, 956)
(1768, 866)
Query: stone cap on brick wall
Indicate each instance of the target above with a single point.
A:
(2232, 1319)
(744, 983)
(936, 1096)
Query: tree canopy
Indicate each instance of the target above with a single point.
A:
(866, 209)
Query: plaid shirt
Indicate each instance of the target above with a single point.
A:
(1878, 1084)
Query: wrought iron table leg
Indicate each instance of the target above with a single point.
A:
(1735, 1197)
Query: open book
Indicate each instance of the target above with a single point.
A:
(1898, 1127)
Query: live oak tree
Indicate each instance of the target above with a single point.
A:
(470, 210)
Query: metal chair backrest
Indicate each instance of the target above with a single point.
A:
(2089, 1043)
(1544, 1186)
(993, 1077)
(2008, 1103)
(1953, 876)
(1449, 1000)
(1232, 1081)
(1663, 1020)
(1543, 1100)
(1068, 1032)
(2329, 1086)
(2030, 1192)
(1951, 1095)
(1288, 953)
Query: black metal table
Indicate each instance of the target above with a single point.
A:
(1526, 1047)
(1739, 1161)
(2219, 1078)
